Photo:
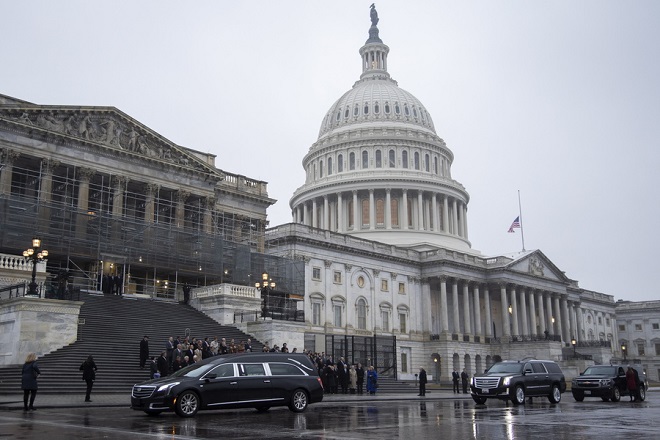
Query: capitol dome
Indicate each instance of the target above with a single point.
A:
(378, 170)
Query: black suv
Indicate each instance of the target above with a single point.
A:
(515, 380)
(252, 380)
(607, 382)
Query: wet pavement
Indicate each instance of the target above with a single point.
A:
(439, 415)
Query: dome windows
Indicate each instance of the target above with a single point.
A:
(414, 112)
(387, 108)
(356, 110)
(351, 161)
(379, 159)
(340, 163)
(365, 159)
(329, 166)
(406, 110)
(416, 160)
(366, 108)
(427, 163)
(404, 158)
(338, 115)
(347, 113)
(392, 159)
(397, 109)
(376, 108)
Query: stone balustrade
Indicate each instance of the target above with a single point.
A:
(226, 289)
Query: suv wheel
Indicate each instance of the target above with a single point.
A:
(298, 401)
(642, 393)
(616, 394)
(518, 397)
(479, 400)
(578, 396)
(187, 404)
(555, 394)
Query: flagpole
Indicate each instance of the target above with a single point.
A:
(522, 230)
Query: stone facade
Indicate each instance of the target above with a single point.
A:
(638, 326)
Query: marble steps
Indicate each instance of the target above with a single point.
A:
(112, 330)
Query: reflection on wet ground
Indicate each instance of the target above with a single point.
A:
(382, 420)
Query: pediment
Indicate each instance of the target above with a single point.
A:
(108, 128)
(537, 264)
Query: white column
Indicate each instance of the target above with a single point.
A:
(434, 207)
(459, 218)
(306, 219)
(443, 304)
(326, 213)
(565, 320)
(489, 319)
(420, 211)
(550, 313)
(466, 308)
(314, 214)
(388, 209)
(404, 210)
(571, 313)
(372, 210)
(340, 213)
(506, 324)
(356, 210)
(532, 313)
(445, 215)
(454, 217)
(523, 311)
(514, 311)
(557, 311)
(454, 297)
(477, 310)
(578, 322)
(465, 223)
(542, 316)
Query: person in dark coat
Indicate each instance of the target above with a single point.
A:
(342, 374)
(144, 351)
(631, 382)
(464, 381)
(153, 367)
(454, 380)
(359, 370)
(89, 375)
(422, 381)
(163, 364)
(29, 384)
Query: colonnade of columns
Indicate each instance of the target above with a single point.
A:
(524, 312)
(385, 209)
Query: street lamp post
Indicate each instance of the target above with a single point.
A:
(623, 349)
(34, 254)
(266, 286)
(574, 343)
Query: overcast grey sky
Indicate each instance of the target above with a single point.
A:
(560, 100)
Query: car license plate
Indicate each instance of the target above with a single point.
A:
(587, 393)
(485, 391)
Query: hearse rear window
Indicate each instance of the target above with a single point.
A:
(285, 370)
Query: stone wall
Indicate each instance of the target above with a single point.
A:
(35, 325)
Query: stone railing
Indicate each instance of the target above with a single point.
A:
(226, 289)
(15, 262)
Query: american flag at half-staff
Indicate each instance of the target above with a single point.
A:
(515, 224)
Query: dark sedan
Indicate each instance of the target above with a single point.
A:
(246, 380)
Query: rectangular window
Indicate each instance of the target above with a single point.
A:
(404, 362)
(600, 321)
(402, 323)
(402, 288)
(337, 315)
(640, 349)
(385, 316)
(657, 349)
(383, 285)
(638, 327)
(316, 313)
(316, 273)
(337, 277)
(655, 326)
(622, 327)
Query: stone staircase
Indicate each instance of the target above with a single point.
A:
(110, 329)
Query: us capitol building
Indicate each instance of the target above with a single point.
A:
(376, 265)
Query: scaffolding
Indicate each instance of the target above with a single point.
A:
(154, 257)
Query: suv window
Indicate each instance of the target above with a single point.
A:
(285, 370)
(252, 370)
(504, 367)
(552, 367)
(538, 367)
(528, 368)
(605, 370)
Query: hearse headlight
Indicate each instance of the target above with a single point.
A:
(167, 387)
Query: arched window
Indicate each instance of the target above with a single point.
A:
(340, 163)
(404, 158)
(380, 212)
(366, 108)
(320, 169)
(365, 160)
(414, 112)
(350, 214)
(410, 213)
(338, 115)
(406, 110)
(347, 113)
(394, 203)
(397, 109)
(379, 159)
(427, 163)
(387, 108)
(351, 161)
(356, 110)
(392, 158)
(416, 160)
(314, 170)
(376, 108)
(329, 166)
(365, 212)
(362, 314)
(435, 165)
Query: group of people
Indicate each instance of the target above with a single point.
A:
(463, 377)
(341, 377)
(30, 372)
